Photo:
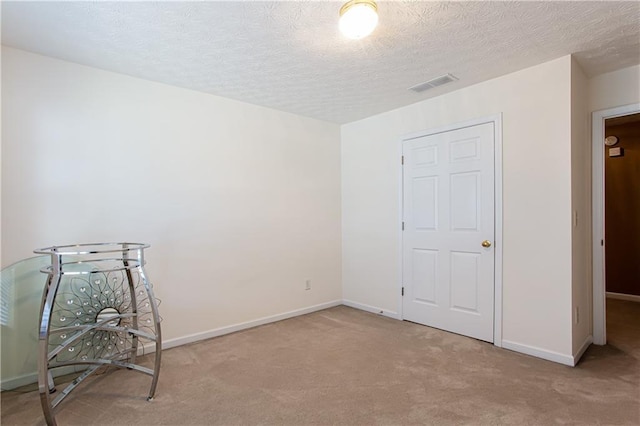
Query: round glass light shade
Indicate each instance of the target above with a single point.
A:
(358, 18)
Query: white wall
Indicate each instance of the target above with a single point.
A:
(240, 203)
(536, 108)
(614, 89)
(581, 204)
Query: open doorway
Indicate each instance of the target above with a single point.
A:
(616, 219)
(622, 206)
(622, 229)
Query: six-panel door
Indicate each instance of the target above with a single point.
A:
(448, 213)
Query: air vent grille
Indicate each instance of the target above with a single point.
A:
(435, 82)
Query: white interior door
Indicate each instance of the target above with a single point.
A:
(448, 215)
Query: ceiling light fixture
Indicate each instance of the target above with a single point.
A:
(358, 18)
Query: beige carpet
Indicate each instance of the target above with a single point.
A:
(346, 367)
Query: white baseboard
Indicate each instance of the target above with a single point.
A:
(372, 309)
(27, 379)
(621, 296)
(179, 341)
(150, 347)
(587, 342)
(16, 382)
(539, 353)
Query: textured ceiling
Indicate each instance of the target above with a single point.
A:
(290, 56)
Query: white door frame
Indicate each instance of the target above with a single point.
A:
(599, 293)
(497, 128)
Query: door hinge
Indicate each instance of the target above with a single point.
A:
(402, 291)
(602, 243)
(403, 226)
(402, 160)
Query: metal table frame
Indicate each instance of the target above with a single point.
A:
(109, 307)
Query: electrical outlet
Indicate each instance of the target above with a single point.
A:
(307, 285)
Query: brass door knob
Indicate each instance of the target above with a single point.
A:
(486, 243)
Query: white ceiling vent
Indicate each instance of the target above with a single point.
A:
(435, 82)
